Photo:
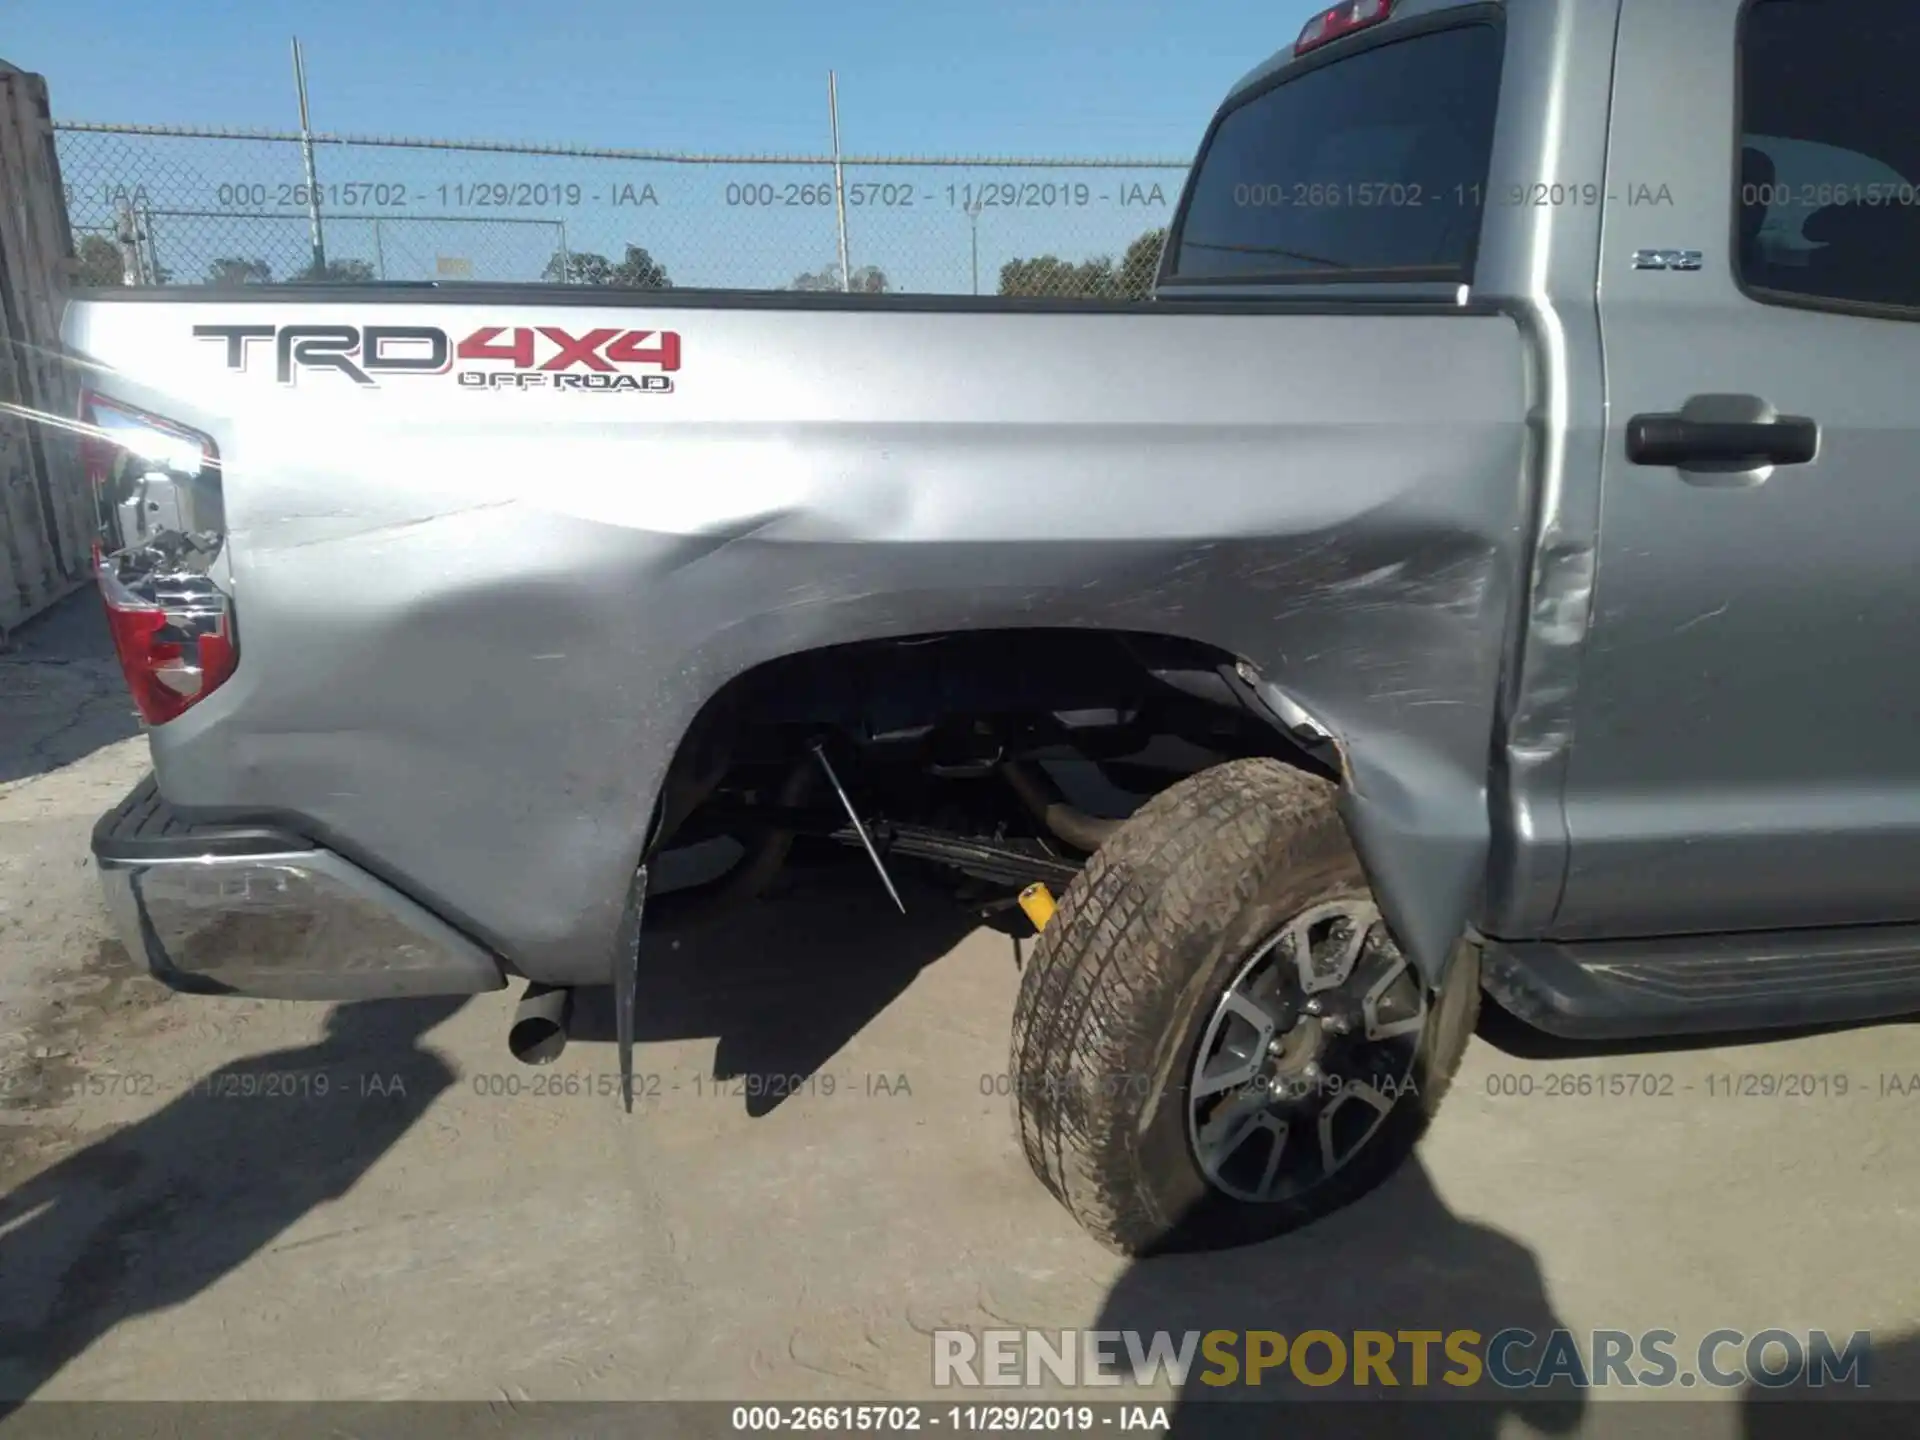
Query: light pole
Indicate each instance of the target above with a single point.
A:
(973, 226)
(839, 181)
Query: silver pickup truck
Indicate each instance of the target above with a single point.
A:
(1485, 565)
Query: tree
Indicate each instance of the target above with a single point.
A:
(640, 271)
(231, 270)
(101, 262)
(1050, 275)
(636, 270)
(337, 272)
(1098, 277)
(578, 267)
(861, 280)
(1141, 265)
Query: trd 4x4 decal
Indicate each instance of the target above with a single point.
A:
(539, 357)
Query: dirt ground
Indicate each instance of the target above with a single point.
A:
(231, 1199)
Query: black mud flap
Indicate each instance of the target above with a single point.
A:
(626, 980)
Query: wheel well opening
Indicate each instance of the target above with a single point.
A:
(1006, 756)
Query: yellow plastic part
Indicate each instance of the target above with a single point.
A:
(1037, 901)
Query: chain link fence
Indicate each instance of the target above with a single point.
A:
(153, 205)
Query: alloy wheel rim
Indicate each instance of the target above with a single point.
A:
(1305, 1055)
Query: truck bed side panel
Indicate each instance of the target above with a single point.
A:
(474, 623)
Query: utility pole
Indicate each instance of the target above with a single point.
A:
(306, 154)
(839, 183)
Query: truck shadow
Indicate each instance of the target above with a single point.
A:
(156, 1212)
(1396, 1260)
(62, 695)
(785, 982)
(1886, 1406)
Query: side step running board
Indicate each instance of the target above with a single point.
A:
(1691, 984)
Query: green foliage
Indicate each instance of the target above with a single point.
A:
(1050, 275)
(100, 262)
(337, 272)
(231, 270)
(1099, 277)
(1141, 264)
(637, 270)
(861, 280)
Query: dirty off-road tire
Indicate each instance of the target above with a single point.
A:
(1183, 1079)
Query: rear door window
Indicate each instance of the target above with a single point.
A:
(1830, 150)
(1371, 167)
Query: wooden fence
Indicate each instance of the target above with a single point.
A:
(45, 522)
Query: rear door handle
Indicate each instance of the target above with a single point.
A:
(1721, 444)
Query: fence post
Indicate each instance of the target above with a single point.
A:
(839, 183)
(973, 226)
(379, 251)
(306, 154)
(127, 233)
(566, 255)
(153, 245)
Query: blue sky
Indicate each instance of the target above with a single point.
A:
(995, 77)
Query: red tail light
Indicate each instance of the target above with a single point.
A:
(174, 650)
(1329, 25)
(162, 526)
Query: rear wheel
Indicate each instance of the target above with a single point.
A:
(1217, 1039)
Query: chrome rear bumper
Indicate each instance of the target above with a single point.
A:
(248, 910)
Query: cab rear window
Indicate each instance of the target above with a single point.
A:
(1369, 168)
